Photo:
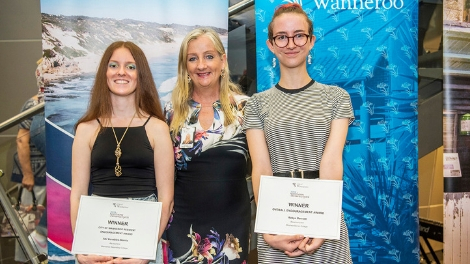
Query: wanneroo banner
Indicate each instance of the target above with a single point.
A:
(75, 35)
(369, 48)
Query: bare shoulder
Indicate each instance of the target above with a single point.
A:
(157, 125)
(157, 132)
(87, 129)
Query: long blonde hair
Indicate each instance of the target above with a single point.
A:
(184, 89)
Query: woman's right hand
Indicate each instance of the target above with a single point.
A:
(287, 243)
(310, 245)
(93, 259)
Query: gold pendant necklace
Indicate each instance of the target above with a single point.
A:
(118, 152)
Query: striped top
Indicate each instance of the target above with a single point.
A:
(296, 124)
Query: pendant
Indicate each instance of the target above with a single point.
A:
(118, 170)
(118, 151)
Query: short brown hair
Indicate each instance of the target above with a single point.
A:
(289, 8)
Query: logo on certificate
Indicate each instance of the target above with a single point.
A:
(119, 205)
(299, 185)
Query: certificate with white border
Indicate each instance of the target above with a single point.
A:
(291, 206)
(117, 227)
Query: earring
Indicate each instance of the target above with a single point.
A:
(309, 59)
(274, 62)
(189, 79)
(222, 73)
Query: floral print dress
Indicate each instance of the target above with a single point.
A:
(211, 218)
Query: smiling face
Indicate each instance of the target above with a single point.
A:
(291, 25)
(122, 73)
(204, 64)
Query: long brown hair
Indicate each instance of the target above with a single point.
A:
(146, 96)
(289, 8)
(183, 89)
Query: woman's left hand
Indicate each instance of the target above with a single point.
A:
(310, 245)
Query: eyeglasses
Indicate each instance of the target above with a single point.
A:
(299, 40)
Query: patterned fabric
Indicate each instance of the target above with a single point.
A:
(203, 139)
(212, 211)
(38, 161)
(296, 125)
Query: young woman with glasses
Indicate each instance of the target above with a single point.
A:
(298, 125)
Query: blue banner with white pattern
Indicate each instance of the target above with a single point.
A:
(368, 48)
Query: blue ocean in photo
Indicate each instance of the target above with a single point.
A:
(67, 99)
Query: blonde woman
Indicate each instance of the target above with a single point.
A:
(212, 206)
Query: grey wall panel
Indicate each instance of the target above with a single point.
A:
(20, 20)
(17, 72)
(20, 48)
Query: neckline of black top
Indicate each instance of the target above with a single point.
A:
(292, 91)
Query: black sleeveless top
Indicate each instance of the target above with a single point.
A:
(137, 162)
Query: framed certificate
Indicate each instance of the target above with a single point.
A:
(117, 227)
(290, 206)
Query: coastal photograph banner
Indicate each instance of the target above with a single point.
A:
(74, 37)
(369, 48)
